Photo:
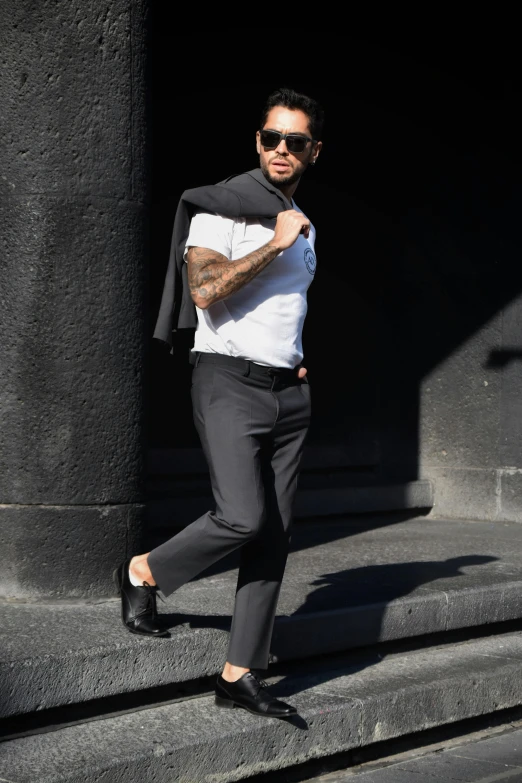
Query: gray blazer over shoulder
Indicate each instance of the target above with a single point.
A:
(244, 195)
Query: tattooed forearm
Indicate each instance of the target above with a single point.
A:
(213, 277)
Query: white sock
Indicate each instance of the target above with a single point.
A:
(135, 582)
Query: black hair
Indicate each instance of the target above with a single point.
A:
(291, 99)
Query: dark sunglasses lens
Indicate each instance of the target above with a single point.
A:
(296, 143)
(270, 139)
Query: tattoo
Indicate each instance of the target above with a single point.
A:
(213, 277)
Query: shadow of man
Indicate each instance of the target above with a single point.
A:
(348, 609)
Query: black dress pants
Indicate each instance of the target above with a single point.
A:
(252, 422)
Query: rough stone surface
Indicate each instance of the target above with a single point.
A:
(305, 634)
(505, 749)
(347, 585)
(455, 396)
(188, 741)
(463, 493)
(72, 78)
(484, 604)
(476, 493)
(71, 360)
(446, 681)
(488, 760)
(508, 361)
(510, 492)
(470, 424)
(48, 551)
(73, 241)
(413, 494)
(338, 709)
(103, 660)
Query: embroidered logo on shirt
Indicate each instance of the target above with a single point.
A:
(309, 258)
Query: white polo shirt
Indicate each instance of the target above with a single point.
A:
(263, 321)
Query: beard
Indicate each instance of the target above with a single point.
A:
(283, 179)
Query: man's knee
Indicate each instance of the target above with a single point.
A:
(245, 526)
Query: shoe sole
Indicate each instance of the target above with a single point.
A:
(118, 580)
(229, 704)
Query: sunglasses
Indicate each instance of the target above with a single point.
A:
(295, 142)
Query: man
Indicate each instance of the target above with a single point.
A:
(247, 263)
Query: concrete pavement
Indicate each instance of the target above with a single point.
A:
(478, 760)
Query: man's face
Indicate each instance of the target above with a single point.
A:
(280, 166)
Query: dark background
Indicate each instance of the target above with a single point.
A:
(415, 199)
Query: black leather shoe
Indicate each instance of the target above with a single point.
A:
(138, 605)
(250, 692)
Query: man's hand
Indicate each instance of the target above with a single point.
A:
(289, 225)
(302, 372)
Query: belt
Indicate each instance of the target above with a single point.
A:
(284, 374)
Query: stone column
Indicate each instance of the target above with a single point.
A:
(73, 235)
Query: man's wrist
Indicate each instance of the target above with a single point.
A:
(275, 247)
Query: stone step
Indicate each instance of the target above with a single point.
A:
(168, 508)
(343, 705)
(331, 483)
(349, 583)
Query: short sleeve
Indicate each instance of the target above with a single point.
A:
(212, 231)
